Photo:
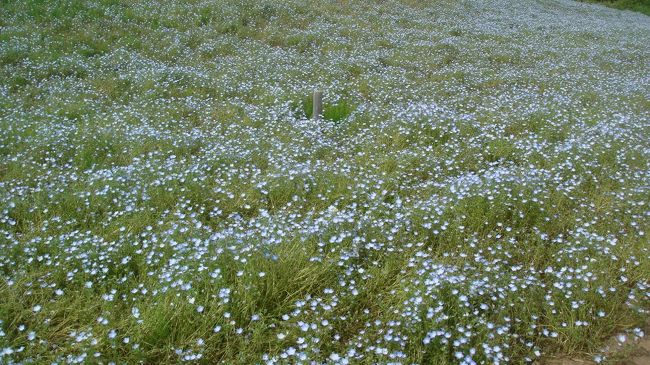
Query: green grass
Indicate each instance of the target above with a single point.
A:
(332, 112)
(642, 6)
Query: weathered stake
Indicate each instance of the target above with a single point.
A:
(318, 105)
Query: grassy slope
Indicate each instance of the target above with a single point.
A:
(483, 177)
(642, 6)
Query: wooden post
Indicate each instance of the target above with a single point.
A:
(318, 105)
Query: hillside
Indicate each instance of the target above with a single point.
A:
(477, 191)
(642, 6)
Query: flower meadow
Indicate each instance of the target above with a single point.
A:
(477, 191)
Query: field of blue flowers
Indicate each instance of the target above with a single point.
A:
(477, 191)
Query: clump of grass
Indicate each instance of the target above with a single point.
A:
(641, 6)
(335, 112)
(12, 57)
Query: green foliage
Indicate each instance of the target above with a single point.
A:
(337, 112)
(642, 6)
(333, 112)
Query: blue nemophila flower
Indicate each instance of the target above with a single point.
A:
(457, 181)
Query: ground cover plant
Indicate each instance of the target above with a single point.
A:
(477, 191)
